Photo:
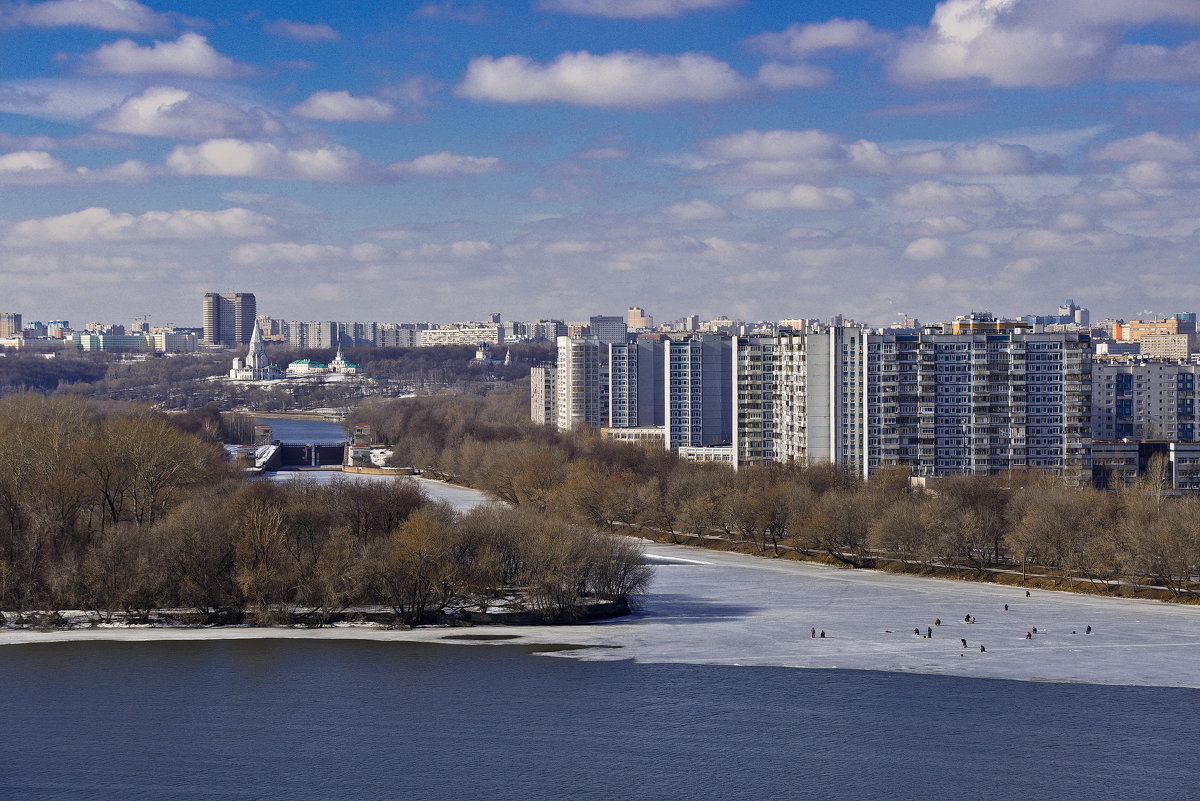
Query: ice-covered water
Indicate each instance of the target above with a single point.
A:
(708, 607)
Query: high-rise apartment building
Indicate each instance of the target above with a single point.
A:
(1144, 401)
(1163, 336)
(973, 397)
(541, 395)
(980, 401)
(607, 328)
(314, 334)
(10, 324)
(581, 383)
(229, 318)
(820, 396)
(698, 402)
(546, 330)
(351, 335)
(754, 378)
(637, 319)
(397, 335)
(460, 335)
(636, 384)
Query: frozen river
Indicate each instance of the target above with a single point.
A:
(714, 608)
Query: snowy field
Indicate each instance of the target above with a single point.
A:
(718, 608)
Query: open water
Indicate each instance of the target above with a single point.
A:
(321, 719)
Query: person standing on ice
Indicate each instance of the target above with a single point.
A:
(813, 632)
(929, 632)
(964, 642)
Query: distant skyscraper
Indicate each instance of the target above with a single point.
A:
(229, 318)
(10, 324)
(607, 328)
(314, 334)
(637, 319)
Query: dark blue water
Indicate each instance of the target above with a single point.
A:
(288, 719)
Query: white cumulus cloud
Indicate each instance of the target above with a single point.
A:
(803, 40)
(938, 193)
(449, 164)
(251, 159)
(1039, 42)
(755, 157)
(342, 106)
(1149, 146)
(793, 76)
(102, 225)
(463, 249)
(695, 210)
(28, 161)
(180, 114)
(284, 253)
(39, 168)
(775, 145)
(612, 80)
(794, 45)
(926, 248)
(1134, 62)
(633, 9)
(190, 54)
(1047, 241)
(106, 15)
(801, 196)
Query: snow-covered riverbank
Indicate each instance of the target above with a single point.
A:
(710, 607)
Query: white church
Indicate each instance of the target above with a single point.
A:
(255, 366)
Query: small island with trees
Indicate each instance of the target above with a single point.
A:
(128, 515)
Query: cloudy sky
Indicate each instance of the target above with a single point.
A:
(557, 158)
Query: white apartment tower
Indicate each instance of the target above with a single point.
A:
(698, 391)
(636, 387)
(820, 397)
(1145, 401)
(987, 398)
(581, 383)
(541, 395)
(754, 380)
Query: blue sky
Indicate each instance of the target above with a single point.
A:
(559, 158)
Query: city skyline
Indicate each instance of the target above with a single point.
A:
(562, 158)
